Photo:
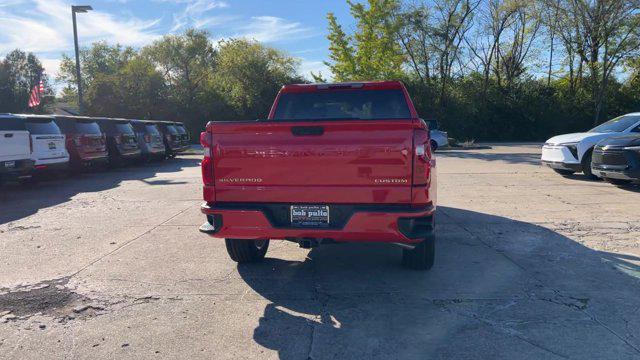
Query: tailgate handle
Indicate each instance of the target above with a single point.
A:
(8, 135)
(307, 130)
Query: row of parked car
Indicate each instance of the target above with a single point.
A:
(33, 144)
(610, 151)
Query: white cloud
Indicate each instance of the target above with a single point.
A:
(97, 25)
(46, 27)
(194, 12)
(51, 66)
(273, 29)
(317, 67)
(214, 21)
(29, 35)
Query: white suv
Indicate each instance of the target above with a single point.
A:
(571, 153)
(48, 143)
(15, 151)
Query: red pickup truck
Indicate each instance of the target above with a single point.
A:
(347, 162)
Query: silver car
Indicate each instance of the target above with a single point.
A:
(438, 137)
(149, 139)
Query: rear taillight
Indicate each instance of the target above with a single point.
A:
(30, 144)
(207, 160)
(421, 157)
(147, 138)
(118, 139)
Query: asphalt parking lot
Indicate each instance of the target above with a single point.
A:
(529, 265)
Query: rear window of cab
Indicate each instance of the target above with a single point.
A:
(171, 129)
(12, 124)
(88, 127)
(37, 126)
(78, 126)
(358, 104)
(124, 127)
(116, 126)
(146, 128)
(152, 129)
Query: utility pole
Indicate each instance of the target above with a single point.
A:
(74, 10)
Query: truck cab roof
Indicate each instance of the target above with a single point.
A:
(365, 85)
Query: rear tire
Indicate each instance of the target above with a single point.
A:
(564, 172)
(586, 165)
(246, 251)
(434, 145)
(422, 256)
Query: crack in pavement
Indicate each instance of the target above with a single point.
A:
(322, 298)
(580, 304)
(129, 241)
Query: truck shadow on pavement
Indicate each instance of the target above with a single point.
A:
(512, 158)
(500, 289)
(17, 202)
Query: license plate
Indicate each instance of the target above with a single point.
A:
(310, 215)
(9, 164)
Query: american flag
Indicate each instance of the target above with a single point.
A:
(34, 97)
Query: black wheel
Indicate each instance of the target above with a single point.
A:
(434, 145)
(564, 172)
(586, 165)
(422, 256)
(618, 182)
(246, 251)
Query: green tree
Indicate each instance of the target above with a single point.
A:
(104, 96)
(96, 61)
(372, 52)
(19, 72)
(137, 90)
(607, 34)
(186, 62)
(249, 75)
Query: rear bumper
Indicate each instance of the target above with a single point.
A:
(59, 166)
(89, 159)
(130, 154)
(21, 169)
(392, 224)
(153, 151)
(181, 148)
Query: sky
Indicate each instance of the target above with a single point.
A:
(44, 27)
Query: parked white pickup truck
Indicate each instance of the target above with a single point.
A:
(15, 149)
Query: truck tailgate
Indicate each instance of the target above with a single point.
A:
(354, 162)
(14, 145)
